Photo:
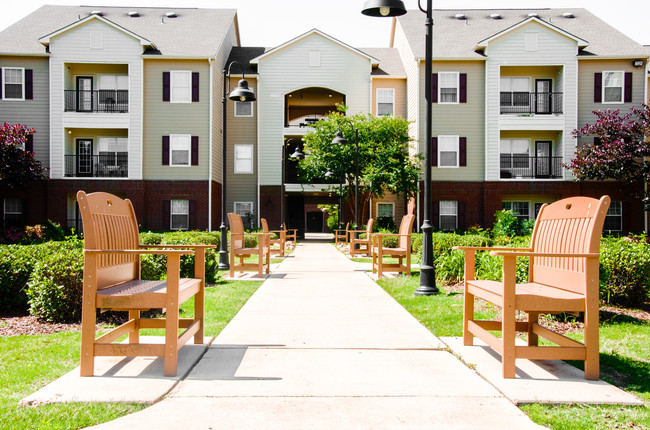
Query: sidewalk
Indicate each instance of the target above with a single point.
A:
(320, 345)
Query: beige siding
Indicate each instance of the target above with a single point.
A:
(399, 85)
(165, 118)
(412, 68)
(31, 113)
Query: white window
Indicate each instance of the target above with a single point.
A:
(181, 86)
(13, 83)
(385, 210)
(515, 154)
(180, 147)
(243, 158)
(113, 151)
(520, 209)
(531, 42)
(614, 217)
(244, 109)
(448, 87)
(180, 215)
(385, 101)
(447, 151)
(448, 215)
(13, 212)
(314, 58)
(613, 87)
(515, 91)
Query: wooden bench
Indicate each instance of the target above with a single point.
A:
(239, 251)
(280, 241)
(563, 277)
(402, 252)
(363, 244)
(341, 236)
(291, 236)
(112, 281)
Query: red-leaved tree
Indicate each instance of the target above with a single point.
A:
(17, 165)
(618, 150)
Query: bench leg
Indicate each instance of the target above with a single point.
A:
(592, 362)
(134, 336)
(88, 321)
(533, 318)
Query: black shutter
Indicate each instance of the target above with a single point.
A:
(462, 151)
(434, 88)
(166, 210)
(0, 83)
(29, 143)
(462, 82)
(460, 213)
(192, 220)
(598, 87)
(29, 84)
(435, 214)
(195, 150)
(434, 151)
(597, 141)
(166, 86)
(195, 86)
(165, 150)
(628, 88)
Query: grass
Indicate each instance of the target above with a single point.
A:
(28, 363)
(624, 357)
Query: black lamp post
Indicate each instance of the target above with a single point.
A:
(329, 174)
(296, 155)
(240, 94)
(340, 140)
(395, 8)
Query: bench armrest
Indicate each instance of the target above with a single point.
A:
(544, 254)
(142, 246)
(139, 251)
(490, 248)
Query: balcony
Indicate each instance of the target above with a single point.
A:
(525, 103)
(111, 165)
(515, 166)
(104, 101)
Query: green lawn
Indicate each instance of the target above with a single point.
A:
(28, 363)
(624, 355)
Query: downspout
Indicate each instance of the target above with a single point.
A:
(211, 113)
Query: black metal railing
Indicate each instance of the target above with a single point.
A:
(110, 165)
(96, 101)
(531, 103)
(523, 166)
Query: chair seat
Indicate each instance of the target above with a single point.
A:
(392, 252)
(532, 296)
(139, 294)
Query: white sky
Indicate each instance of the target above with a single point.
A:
(272, 22)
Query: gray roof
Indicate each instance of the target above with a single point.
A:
(456, 38)
(193, 33)
(244, 55)
(390, 63)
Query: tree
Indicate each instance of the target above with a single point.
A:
(619, 149)
(385, 164)
(17, 165)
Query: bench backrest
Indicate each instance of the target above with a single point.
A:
(236, 230)
(405, 229)
(109, 222)
(371, 221)
(569, 226)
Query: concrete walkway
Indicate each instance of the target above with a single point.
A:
(320, 345)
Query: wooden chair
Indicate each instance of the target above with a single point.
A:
(239, 251)
(341, 236)
(112, 282)
(364, 244)
(280, 241)
(401, 252)
(291, 235)
(563, 277)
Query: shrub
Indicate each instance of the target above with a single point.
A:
(16, 266)
(624, 270)
(385, 223)
(505, 224)
(388, 241)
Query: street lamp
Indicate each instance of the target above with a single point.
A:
(340, 140)
(241, 94)
(296, 155)
(395, 8)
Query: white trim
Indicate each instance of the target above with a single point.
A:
(392, 212)
(4, 83)
(392, 90)
(189, 150)
(171, 86)
(457, 88)
(171, 214)
(622, 72)
(455, 214)
(457, 137)
(239, 171)
(484, 43)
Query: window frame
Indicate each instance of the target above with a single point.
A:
(392, 208)
(440, 88)
(172, 214)
(622, 87)
(172, 139)
(392, 103)
(174, 85)
(512, 159)
(441, 214)
(517, 214)
(619, 215)
(441, 139)
(239, 115)
(4, 84)
(239, 171)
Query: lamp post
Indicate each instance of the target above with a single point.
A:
(395, 8)
(329, 174)
(240, 94)
(296, 155)
(340, 140)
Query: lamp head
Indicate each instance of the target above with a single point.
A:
(339, 139)
(242, 93)
(329, 173)
(297, 154)
(383, 8)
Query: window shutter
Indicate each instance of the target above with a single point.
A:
(0, 83)
(434, 88)
(29, 143)
(598, 87)
(462, 151)
(435, 214)
(434, 151)
(166, 86)
(165, 151)
(597, 141)
(626, 219)
(29, 84)
(460, 215)
(192, 220)
(195, 150)
(195, 86)
(25, 214)
(166, 211)
(462, 83)
(628, 88)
